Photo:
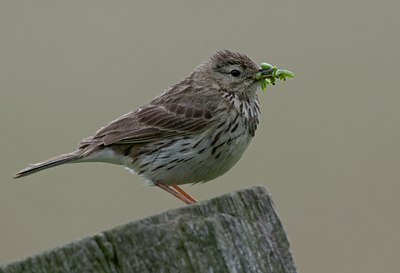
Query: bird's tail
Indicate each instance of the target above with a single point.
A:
(52, 162)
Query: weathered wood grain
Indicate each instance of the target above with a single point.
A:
(237, 232)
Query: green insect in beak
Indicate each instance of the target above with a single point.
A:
(269, 73)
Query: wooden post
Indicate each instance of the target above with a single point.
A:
(236, 232)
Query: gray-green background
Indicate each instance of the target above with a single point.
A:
(328, 146)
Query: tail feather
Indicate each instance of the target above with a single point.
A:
(52, 162)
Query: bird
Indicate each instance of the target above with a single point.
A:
(193, 132)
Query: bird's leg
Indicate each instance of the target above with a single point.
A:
(181, 191)
(178, 195)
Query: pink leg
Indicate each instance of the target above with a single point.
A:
(178, 195)
(181, 191)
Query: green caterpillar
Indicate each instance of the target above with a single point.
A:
(277, 73)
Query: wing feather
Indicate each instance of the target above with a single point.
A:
(152, 123)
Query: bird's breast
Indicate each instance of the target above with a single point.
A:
(198, 158)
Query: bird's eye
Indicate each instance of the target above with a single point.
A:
(235, 73)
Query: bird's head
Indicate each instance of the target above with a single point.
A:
(233, 72)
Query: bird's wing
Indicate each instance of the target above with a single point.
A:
(152, 123)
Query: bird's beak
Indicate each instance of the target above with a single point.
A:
(264, 74)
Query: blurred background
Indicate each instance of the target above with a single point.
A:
(328, 146)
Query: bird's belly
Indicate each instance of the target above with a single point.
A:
(185, 162)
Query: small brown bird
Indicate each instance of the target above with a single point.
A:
(193, 132)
